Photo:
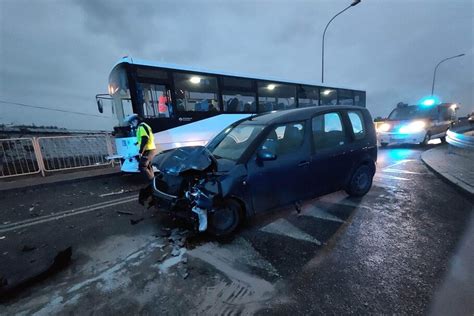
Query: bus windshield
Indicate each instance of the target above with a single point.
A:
(120, 92)
(409, 113)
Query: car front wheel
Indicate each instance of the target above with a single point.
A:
(426, 139)
(361, 181)
(225, 219)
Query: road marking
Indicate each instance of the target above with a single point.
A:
(399, 162)
(390, 177)
(316, 212)
(401, 171)
(64, 214)
(283, 227)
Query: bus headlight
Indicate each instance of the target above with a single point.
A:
(413, 127)
(384, 127)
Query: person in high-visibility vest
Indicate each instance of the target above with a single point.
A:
(146, 144)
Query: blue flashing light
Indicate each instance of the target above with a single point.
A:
(429, 101)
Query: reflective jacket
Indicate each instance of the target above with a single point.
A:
(145, 130)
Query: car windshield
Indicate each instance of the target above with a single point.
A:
(409, 112)
(236, 140)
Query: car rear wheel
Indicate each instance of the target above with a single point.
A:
(225, 219)
(361, 181)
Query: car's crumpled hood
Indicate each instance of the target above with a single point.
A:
(179, 160)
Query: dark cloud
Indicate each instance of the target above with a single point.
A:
(59, 53)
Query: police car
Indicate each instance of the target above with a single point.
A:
(416, 124)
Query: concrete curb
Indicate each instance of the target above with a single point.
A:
(460, 186)
(24, 185)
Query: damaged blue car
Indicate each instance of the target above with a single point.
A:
(264, 162)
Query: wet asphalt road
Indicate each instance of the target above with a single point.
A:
(385, 253)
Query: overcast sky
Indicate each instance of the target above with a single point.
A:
(58, 53)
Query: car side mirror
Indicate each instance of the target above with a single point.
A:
(100, 106)
(265, 155)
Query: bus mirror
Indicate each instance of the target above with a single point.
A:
(100, 106)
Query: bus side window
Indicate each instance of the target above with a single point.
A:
(346, 97)
(196, 93)
(238, 94)
(276, 96)
(328, 96)
(359, 98)
(308, 96)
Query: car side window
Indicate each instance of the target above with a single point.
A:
(357, 122)
(328, 131)
(284, 139)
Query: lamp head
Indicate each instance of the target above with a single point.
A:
(355, 2)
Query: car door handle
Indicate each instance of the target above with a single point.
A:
(303, 163)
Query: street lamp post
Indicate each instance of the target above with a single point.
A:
(354, 2)
(436, 68)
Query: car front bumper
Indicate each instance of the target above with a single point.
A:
(398, 138)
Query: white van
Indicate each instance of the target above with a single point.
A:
(416, 124)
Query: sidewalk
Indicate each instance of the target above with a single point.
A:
(20, 182)
(456, 165)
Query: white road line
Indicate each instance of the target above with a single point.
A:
(390, 177)
(390, 170)
(64, 214)
(316, 212)
(283, 227)
(399, 162)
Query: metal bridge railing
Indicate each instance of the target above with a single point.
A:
(25, 156)
(18, 157)
(72, 152)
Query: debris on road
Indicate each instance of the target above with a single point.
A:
(165, 232)
(3, 281)
(113, 193)
(136, 221)
(175, 252)
(12, 287)
(163, 257)
(125, 213)
(28, 248)
(31, 209)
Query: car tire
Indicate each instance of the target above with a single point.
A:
(426, 139)
(225, 220)
(443, 139)
(383, 144)
(360, 182)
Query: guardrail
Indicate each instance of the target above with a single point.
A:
(459, 139)
(72, 152)
(26, 156)
(18, 156)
